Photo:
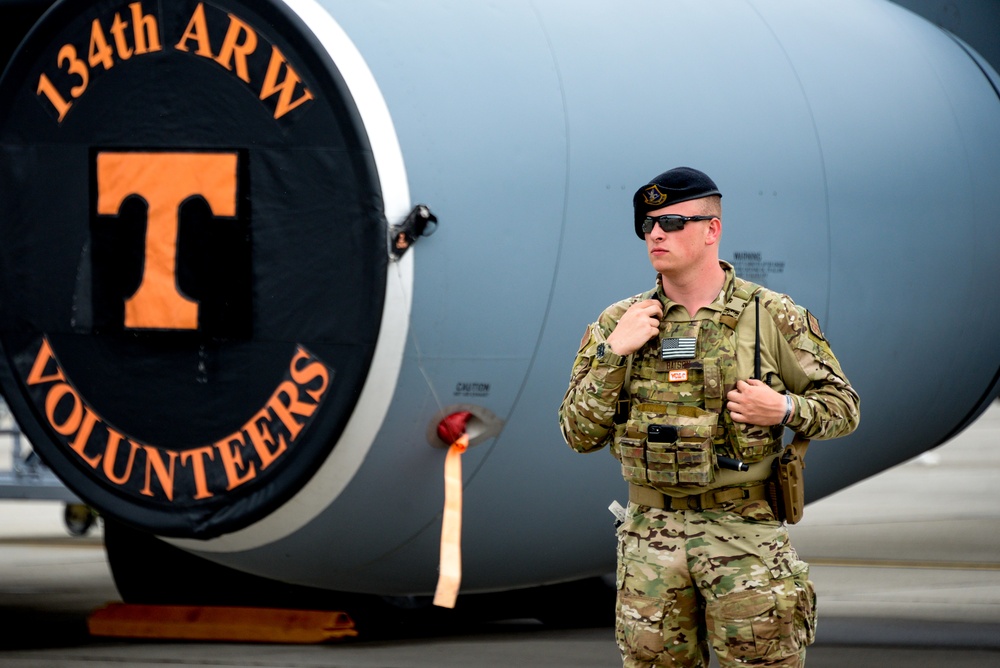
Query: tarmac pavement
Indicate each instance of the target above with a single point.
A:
(906, 567)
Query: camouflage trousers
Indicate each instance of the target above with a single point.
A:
(725, 577)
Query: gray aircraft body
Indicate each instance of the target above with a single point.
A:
(291, 431)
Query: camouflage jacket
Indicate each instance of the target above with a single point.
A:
(795, 359)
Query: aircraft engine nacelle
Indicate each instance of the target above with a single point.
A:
(221, 325)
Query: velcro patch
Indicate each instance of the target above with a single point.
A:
(682, 348)
(678, 376)
(814, 326)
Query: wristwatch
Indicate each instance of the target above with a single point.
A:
(607, 356)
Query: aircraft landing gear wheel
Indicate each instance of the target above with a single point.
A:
(79, 519)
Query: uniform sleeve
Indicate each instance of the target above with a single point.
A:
(826, 406)
(588, 408)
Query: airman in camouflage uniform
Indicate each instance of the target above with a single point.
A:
(702, 558)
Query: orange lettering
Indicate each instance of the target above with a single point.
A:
(284, 411)
(231, 47)
(303, 375)
(70, 416)
(52, 399)
(79, 443)
(37, 374)
(111, 455)
(121, 44)
(48, 89)
(100, 52)
(232, 461)
(197, 29)
(262, 439)
(197, 458)
(285, 89)
(68, 56)
(164, 474)
(164, 180)
(146, 30)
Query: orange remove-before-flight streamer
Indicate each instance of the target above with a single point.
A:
(450, 568)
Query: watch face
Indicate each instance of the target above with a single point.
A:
(602, 350)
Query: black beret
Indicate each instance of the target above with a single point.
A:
(676, 185)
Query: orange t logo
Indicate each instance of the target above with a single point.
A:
(165, 181)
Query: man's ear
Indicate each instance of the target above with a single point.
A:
(714, 231)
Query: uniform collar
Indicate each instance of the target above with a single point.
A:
(718, 305)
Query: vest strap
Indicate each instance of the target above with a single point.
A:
(737, 302)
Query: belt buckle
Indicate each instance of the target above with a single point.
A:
(691, 502)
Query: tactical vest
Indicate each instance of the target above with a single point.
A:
(689, 395)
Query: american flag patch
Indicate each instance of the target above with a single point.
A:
(678, 349)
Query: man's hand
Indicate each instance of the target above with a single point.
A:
(638, 324)
(754, 402)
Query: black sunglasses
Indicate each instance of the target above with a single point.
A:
(670, 222)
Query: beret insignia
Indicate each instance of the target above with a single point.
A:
(653, 196)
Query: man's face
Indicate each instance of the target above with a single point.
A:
(674, 252)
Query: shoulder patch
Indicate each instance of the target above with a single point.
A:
(814, 327)
(585, 339)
